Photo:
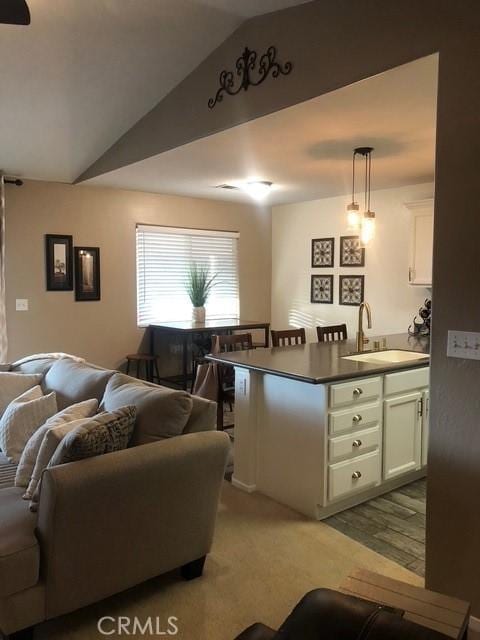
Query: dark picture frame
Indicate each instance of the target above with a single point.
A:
(87, 274)
(351, 290)
(321, 289)
(59, 262)
(352, 254)
(323, 252)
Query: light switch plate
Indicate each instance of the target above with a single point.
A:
(463, 344)
(21, 304)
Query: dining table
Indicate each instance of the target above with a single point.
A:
(184, 330)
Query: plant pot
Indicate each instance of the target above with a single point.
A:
(198, 314)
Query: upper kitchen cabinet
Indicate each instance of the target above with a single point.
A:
(421, 242)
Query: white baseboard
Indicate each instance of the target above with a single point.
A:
(249, 488)
(474, 624)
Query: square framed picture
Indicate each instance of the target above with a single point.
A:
(321, 289)
(323, 250)
(87, 274)
(59, 262)
(352, 254)
(351, 290)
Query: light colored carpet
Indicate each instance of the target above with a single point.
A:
(265, 558)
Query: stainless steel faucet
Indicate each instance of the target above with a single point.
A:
(362, 340)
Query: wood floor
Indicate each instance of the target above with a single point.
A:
(393, 525)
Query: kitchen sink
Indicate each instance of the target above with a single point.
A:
(393, 356)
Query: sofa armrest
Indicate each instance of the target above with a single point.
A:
(110, 522)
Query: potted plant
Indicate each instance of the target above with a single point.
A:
(199, 286)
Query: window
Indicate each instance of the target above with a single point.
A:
(164, 256)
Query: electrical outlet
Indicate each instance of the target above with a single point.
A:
(463, 344)
(21, 304)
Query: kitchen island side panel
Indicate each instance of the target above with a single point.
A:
(291, 441)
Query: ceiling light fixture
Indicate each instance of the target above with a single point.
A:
(356, 221)
(258, 189)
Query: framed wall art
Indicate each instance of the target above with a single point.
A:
(351, 290)
(321, 289)
(87, 274)
(352, 254)
(59, 262)
(323, 250)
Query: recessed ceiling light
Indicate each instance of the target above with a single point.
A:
(258, 189)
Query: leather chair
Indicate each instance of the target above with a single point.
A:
(328, 615)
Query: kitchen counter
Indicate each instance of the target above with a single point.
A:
(319, 363)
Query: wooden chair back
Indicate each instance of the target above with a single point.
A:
(288, 337)
(333, 333)
(235, 342)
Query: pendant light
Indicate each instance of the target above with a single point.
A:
(353, 210)
(367, 225)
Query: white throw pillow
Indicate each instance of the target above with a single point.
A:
(22, 418)
(14, 384)
(29, 456)
(51, 440)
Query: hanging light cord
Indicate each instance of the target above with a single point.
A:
(353, 177)
(366, 181)
(369, 176)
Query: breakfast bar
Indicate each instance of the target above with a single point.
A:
(320, 427)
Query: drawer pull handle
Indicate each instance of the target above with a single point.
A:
(357, 443)
(357, 418)
(357, 391)
(356, 475)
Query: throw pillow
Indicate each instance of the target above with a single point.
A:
(14, 384)
(75, 381)
(22, 418)
(30, 453)
(104, 433)
(161, 412)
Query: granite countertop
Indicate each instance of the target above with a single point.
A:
(318, 363)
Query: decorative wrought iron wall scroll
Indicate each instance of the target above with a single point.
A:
(249, 73)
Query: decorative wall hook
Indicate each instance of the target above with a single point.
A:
(245, 65)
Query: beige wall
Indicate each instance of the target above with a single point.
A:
(394, 302)
(105, 331)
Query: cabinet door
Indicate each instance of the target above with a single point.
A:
(425, 425)
(421, 243)
(402, 434)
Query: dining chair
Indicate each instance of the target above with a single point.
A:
(288, 337)
(333, 333)
(226, 373)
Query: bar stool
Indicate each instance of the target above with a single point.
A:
(149, 362)
(333, 333)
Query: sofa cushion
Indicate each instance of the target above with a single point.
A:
(19, 550)
(161, 412)
(76, 381)
(7, 472)
(13, 385)
(29, 456)
(22, 418)
(40, 362)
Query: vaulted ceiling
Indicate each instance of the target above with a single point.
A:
(85, 71)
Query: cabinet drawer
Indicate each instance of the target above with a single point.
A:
(353, 443)
(352, 475)
(406, 380)
(355, 391)
(364, 415)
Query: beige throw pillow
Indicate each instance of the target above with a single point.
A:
(13, 385)
(30, 453)
(22, 418)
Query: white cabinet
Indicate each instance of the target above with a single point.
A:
(402, 434)
(425, 425)
(421, 242)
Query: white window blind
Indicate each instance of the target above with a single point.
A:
(164, 256)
